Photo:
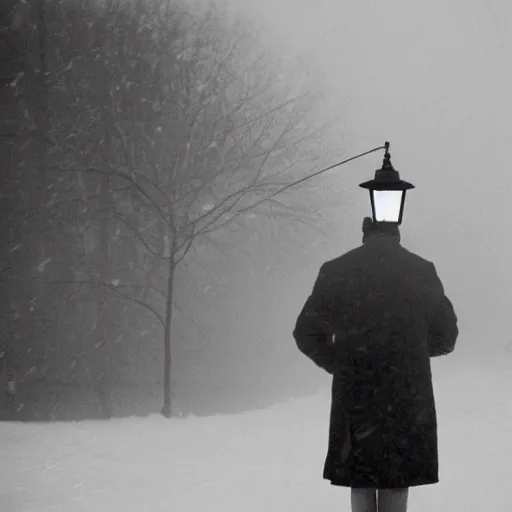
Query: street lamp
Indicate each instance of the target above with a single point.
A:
(387, 192)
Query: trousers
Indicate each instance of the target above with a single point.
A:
(379, 500)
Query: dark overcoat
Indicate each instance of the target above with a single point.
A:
(375, 317)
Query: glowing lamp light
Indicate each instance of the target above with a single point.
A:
(387, 192)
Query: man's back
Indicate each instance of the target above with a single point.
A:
(378, 293)
(383, 290)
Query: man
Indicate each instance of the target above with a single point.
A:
(375, 317)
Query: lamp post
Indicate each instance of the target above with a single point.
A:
(387, 192)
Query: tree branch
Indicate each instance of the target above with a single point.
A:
(114, 173)
(275, 109)
(139, 236)
(113, 289)
(186, 317)
(142, 287)
(139, 174)
(86, 197)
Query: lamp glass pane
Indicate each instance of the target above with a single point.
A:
(387, 205)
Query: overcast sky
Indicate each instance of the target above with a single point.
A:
(435, 79)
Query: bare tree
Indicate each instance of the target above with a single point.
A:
(224, 135)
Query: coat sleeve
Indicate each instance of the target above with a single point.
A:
(442, 330)
(312, 332)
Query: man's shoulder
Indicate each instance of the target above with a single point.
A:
(350, 256)
(358, 253)
(416, 257)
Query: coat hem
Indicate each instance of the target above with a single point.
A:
(380, 485)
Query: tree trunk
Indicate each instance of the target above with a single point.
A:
(167, 407)
(41, 182)
(104, 382)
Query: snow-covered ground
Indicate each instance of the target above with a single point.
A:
(268, 460)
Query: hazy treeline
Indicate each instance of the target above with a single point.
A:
(136, 135)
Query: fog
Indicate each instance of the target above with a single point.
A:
(435, 81)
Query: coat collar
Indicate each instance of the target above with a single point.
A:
(380, 231)
(380, 237)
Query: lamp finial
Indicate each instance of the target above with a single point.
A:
(387, 157)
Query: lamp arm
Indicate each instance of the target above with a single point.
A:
(286, 187)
